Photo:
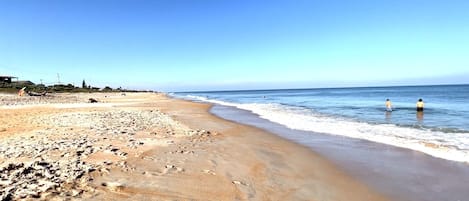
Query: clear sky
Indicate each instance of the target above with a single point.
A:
(181, 45)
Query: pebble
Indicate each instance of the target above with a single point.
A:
(113, 186)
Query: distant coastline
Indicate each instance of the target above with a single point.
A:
(60, 88)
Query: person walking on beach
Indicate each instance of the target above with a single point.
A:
(21, 91)
(388, 105)
(420, 105)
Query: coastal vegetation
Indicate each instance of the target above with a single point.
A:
(13, 87)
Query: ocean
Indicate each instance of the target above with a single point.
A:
(441, 130)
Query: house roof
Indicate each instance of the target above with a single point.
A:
(6, 76)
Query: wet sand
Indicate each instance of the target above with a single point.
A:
(399, 173)
(150, 147)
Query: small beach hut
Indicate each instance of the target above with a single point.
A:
(6, 79)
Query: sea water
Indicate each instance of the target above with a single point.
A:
(441, 130)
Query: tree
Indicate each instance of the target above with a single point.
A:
(107, 88)
(83, 84)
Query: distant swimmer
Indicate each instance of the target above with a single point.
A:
(420, 105)
(388, 105)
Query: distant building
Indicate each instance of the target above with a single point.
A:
(8, 82)
(6, 79)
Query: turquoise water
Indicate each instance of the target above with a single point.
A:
(442, 130)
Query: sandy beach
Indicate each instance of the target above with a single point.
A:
(146, 146)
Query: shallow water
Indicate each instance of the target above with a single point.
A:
(402, 174)
(442, 130)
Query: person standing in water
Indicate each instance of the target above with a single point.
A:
(420, 105)
(388, 105)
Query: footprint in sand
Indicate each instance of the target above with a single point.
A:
(171, 169)
(213, 163)
(244, 187)
(209, 172)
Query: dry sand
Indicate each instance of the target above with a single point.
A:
(146, 146)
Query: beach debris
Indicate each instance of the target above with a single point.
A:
(209, 172)
(172, 168)
(52, 160)
(240, 183)
(113, 186)
(31, 180)
(31, 93)
(92, 100)
(202, 133)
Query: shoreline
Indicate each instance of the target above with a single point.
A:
(433, 142)
(269, 143)
(396, 172)
(186, 153)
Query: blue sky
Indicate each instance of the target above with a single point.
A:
(181, 45)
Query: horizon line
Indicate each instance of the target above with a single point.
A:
(350, 87)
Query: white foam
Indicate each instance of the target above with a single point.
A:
(450, 146)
